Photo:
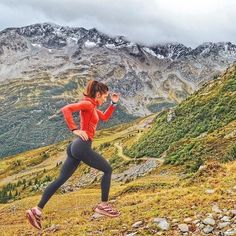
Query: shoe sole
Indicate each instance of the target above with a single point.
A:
(105, 213)
(32, 220)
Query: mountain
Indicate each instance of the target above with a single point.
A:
(173, 174)
(45, 66)
(200, 128)
(163, 73)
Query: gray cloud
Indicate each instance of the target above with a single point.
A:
(153, 21)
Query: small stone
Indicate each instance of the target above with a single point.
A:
(202, 167)
(96, 216)
(131, 234)
(183, 227)
(233, 212)
(159, 233)
(209, 221)
(201, 226)
(187, 220)
(196, 221)
(230, 232)
(225, 218)
(216, 209)
(137, 224)
(208, 229)
(113, 201)
(210, 215)
(223, 225)
(162, 223)
(175, 221)
(210, 191)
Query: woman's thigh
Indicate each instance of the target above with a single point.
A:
(96, 161)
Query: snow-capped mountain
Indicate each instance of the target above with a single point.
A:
(145, 75)
(45, 66)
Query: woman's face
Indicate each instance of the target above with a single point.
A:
(101, 98)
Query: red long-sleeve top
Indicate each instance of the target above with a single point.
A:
(89, 115)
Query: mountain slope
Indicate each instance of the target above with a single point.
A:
(157, 199)
(201, 127)
(45, 66)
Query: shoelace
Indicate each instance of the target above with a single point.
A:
(110, 209)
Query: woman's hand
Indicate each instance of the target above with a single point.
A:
(114, 96)
(81, 133)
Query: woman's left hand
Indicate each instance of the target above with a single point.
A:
(114, 97)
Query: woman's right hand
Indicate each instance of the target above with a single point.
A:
(81, 133)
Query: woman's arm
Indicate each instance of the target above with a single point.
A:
(74, 107)
(107, 114)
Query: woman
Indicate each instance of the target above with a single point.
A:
(96, 94)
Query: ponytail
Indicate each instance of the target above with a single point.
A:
(93, 87)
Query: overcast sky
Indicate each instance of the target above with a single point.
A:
(190, 22)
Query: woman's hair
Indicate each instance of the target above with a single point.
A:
(93, 87)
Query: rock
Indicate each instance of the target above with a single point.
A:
(209, 221)
(187, 220)
(131, 234)
(162, 223)
(234, 188)
(196, 221)
(202, 135)
(112, 200)
(216, 209)
(210, 191)
(223, 225)
(225, 218)
(183, 227)
(175, 221)
(208, 229)
(137, 224)
(96, 215)
(159, 233)
(230, 232)
(171, 115)
(202, 167)
(201, 226)
(233, 212)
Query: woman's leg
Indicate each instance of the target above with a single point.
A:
(67, 169)
(82, 150)
(96, 161)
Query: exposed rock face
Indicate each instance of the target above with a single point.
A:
(45, 66)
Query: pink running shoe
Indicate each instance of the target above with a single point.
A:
(34, 216)
(107, 210)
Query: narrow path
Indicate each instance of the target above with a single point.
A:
(127, 158)
(120, 152)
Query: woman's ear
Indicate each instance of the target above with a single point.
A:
(98, 94)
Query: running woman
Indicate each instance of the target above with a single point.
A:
(95, 94)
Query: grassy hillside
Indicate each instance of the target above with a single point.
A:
(30, 112)
(163, 193)
(202, 127)
(193, 182)
(27, 173)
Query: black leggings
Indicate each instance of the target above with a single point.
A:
(79, 150)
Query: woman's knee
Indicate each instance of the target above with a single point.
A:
(108, 170)
(68, 150)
